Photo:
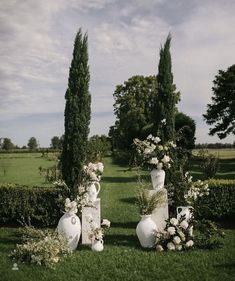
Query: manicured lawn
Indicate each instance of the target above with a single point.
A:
(122, 258)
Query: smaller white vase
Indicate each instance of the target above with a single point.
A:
(158, 178)
(184, 211)
(146, 230)
(70, 226)
(93, 191)
(97, 245)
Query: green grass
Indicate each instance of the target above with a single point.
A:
(123, 258)
(22, 168)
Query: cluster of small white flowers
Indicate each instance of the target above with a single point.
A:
(70, 206)
(154, 153)
(97, 233)
(93, 171)
(195, 190)
(177, 236)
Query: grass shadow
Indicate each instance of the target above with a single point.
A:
(119, 179)
(129, 240)
(130, 224)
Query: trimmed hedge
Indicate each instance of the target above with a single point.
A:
(220, 203)
(40, 205)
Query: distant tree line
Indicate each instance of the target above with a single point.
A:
(217, 145)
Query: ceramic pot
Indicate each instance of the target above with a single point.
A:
(97, 245)
(184, 211)
(145, 231)
(93, 191)
(70, 226)
(158, 178)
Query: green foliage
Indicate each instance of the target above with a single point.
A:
(57, 142)
(41, 247)
(220, 203)
(98, 147)
(166, 99)
(7, 144)
(208, 235)
(185, 128)
(133, 108)
(51, 174)
(209, 165)
(32, 143)
(77, 114)
(221, 112)
(23, 204)
(146, 201)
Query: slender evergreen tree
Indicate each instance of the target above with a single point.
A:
(77, 114)
(166, 98)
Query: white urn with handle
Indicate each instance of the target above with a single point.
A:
(158, 177)
(93, 190)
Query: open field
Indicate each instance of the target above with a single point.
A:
(122, 258)
(225, 153)
(22, 168)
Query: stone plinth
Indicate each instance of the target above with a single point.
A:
(88, 212)
(160, 214)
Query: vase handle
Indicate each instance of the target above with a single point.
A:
(98, 184)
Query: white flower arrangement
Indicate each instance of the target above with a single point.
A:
(70, 206)
(177, 235)
(194, 189)
(93, 171)
(152, 152)
(97, 233)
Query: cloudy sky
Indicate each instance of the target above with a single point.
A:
(124, 39)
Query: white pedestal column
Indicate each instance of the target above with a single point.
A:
(88, 212)
(161, 213)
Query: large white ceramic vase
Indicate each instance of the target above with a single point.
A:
(145, 231)
(70, 226)
(158, 177)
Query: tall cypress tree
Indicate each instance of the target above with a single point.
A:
(166, 98)
(77, 114)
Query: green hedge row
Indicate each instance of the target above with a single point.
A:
(221, 201)
(41, 205)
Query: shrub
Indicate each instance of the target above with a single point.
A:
(220, 203)
(24, 204)
(122, 157)
(41, 247)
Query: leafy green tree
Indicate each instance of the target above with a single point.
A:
(56, 143)
(7, 144)
(77, 114)
(133, 108)
(32, 143)
(166, 98)
(98, 147)
(221, 112)
(185, 128)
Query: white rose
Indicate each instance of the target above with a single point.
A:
(160, 147)
(106, 223)
(153, 161)
(166, 159)
(156, 139)
(178, 247)
(170, 246)
(100, 167)
(176, 240)
(67, 201)
(149, 137)
(147, 151)
(159, 248)
(174, 221)
(171, 230)
(184, 224)
(189, 244)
